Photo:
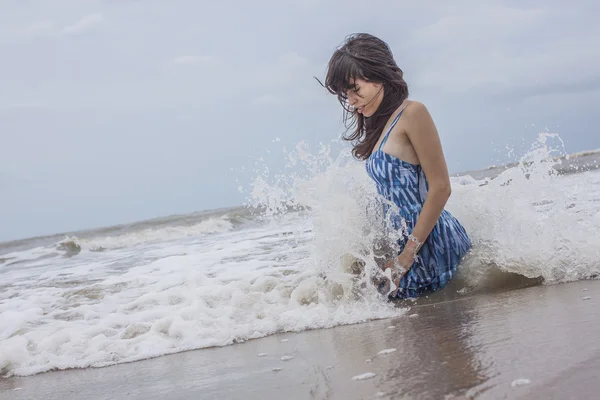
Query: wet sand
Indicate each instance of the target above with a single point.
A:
(535, 343)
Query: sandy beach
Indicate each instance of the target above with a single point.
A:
(538, 342)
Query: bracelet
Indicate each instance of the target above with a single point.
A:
(413, 238)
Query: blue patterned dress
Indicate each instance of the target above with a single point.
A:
(405, 185)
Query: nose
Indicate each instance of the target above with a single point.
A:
(351, 99)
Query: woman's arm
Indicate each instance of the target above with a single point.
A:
(424, 138)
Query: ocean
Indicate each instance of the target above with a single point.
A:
(283, 262)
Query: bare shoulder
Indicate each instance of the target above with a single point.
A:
(419, 124)
(425, 140)
(415, 111)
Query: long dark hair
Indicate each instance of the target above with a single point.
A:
(364, 56)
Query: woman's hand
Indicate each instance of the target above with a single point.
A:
(401, 264)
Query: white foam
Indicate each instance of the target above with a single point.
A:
(87, 311)
(33, 254)
(531, 221)
(136, 238)
(167, 233)
(520, 382)
(362, 377)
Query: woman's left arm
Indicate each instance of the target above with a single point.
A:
(424, 138)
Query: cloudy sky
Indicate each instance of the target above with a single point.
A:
(118, 110)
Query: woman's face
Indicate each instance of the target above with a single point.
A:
(365, 97)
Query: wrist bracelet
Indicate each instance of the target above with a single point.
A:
(413, 238)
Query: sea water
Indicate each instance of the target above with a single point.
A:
(285, 262)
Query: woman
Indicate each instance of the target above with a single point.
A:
(399, 142)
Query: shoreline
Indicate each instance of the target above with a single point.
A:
(522, 343)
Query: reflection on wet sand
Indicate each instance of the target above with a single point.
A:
(435, 354)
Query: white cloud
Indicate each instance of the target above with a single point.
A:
(478, 25)
(85, 24)
(195, 61)
(498, 49)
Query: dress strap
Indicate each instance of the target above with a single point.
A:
(385, 138)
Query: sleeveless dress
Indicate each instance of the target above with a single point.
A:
(405, 186)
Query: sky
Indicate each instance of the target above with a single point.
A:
(114, 111)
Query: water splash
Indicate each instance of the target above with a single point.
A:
(525, 219)
(335, 199)
(530, 220)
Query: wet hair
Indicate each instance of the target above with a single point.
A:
(364, 56)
